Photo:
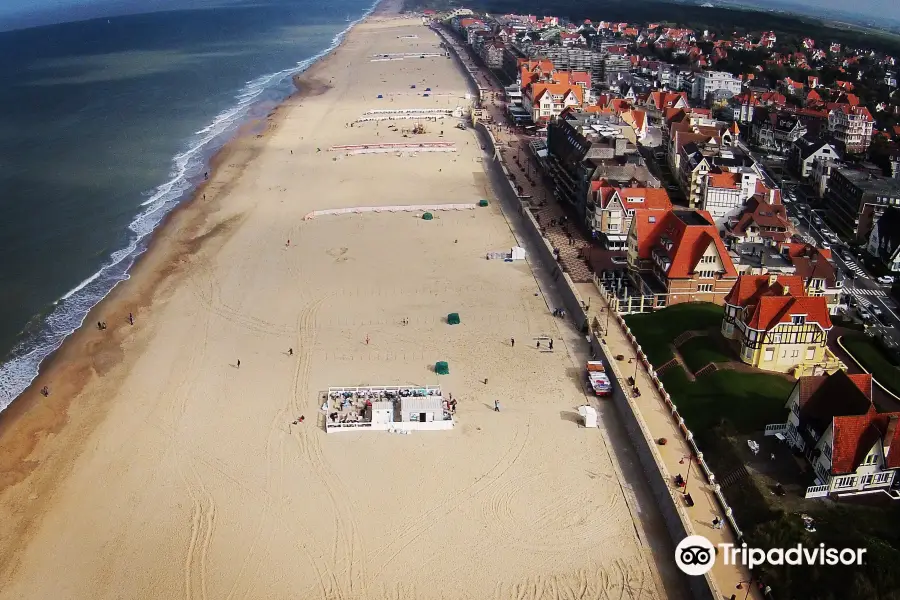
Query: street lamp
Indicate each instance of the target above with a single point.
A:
(748, 584)
(690, 459)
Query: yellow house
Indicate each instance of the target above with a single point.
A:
(778, 327)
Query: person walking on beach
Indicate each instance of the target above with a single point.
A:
(130, 318)
(239, 363)
(496, 406)
(367, 339)
(290, 351)
(512, 342)
(551, 344)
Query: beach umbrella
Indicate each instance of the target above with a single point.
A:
(427, 216)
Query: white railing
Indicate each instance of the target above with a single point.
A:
(777, 428)
(816, 491)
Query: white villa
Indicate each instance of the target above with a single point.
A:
(386, 408)
(852, 448)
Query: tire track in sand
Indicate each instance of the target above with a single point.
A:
(426, 520)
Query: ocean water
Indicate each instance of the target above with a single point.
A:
(106, 126)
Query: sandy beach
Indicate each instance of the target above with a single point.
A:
(159, 468)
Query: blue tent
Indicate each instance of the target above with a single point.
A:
(380, 96)
(426, 95)
(412, 87)
(427, 89)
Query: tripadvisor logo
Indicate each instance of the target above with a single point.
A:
(696, 555)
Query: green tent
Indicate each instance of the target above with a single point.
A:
(453, 319)
(428, 216)
(442, 368)
(482, 203)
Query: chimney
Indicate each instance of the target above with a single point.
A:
(889, 434)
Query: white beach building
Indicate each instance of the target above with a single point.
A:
(386, 408)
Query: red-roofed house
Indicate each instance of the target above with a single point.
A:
(777, 326)
(663, 100)
(613, 209)
(852, 448)
(723, 193)
(676, 256)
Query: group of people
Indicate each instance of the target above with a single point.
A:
(559, 312)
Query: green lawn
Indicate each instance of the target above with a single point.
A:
(700, 351)
(749, 401)
(656, 330)
(874, 360)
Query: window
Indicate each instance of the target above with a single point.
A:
(635, 199)
(613, 226)
(747, 353)
(866, 479)
(871, 459)
(826, 450)
(705, 287)
(630, 212)
(795, 353)
(798, 319)
(770, 354)
(845, 482)
(708, 259)
(651, 219)
(784, 354)
(883, 477)
(706, 274)
(811, 353)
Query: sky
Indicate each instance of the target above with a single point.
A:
(874, 10)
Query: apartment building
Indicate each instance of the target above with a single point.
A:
(856, 199)
(852, 126)
(676, 256)
(611, 209)
(708, 83)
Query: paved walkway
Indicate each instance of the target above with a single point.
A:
(660, 423)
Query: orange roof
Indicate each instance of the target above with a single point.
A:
(690, 240)
(748, 289)
(726, 180)
(637, 198)
(635, 118)
(769, 302)
(560, 89)
(855, 435)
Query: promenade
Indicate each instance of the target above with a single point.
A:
(676, 456)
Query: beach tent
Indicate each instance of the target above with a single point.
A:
(427, 216)
(442, 368)
(482, 203)
(517, 253)
(589, 414)
(427, 89)
(453, 319)
(412, 87)
(380, 96)
(426, 95)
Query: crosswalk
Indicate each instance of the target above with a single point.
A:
(857, 270)
(862, 296)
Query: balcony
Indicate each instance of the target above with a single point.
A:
(816, 491)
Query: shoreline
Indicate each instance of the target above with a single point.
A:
(88, 354)
(31, 350)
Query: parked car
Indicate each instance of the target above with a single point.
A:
(886, 279)
(864, 314)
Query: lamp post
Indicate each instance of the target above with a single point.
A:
(748, 584)
(690, 459)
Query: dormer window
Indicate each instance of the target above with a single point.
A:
(651, 219)
(635, 199)
(798, 319)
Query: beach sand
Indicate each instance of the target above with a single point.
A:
(159, 469)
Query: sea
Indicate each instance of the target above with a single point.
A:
(106, 125)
